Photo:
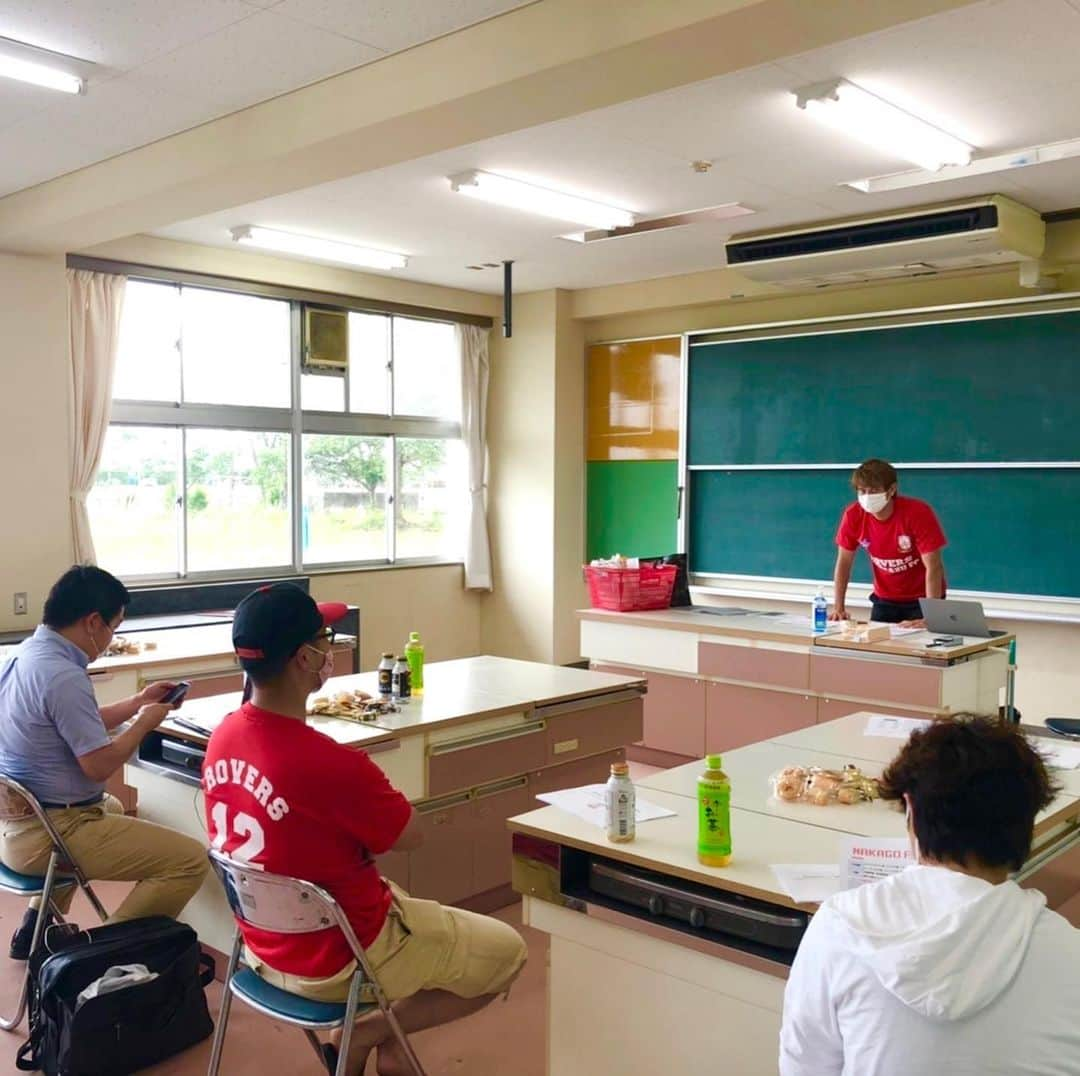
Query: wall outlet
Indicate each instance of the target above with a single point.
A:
(21, 607)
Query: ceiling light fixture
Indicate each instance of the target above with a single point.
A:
(311, 246)
(37, 74)
(517, 194)
(849, 108)
(1002, 162)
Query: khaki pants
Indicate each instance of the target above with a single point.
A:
(423, 945)
(168, 866)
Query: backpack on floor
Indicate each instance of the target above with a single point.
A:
(124, 1030)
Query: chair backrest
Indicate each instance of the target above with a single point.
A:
(279, 903)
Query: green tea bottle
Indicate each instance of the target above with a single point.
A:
(414, 655)
(714, 815)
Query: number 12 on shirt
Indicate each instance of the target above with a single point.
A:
(243, 825)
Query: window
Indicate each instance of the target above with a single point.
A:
(225, 456)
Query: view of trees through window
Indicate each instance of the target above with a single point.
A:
(175, 497)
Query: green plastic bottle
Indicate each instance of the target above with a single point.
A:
(414, 655)
(714, 814)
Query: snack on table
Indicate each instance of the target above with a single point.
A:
(357, 705)
(121, 646)
(820, 786)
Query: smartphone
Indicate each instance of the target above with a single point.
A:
(176, 696)
(1065, 726)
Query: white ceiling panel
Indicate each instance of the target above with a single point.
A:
(19, 100)
(119, 34)
(265, 55)
(394, 24)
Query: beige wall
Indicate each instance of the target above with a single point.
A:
(35, 390)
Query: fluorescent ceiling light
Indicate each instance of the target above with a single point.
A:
(517, 194)
(1002, 162)
(311, 246)
(52, 78)
(849, 108)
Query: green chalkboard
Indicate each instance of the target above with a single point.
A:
(991, 391)
(1010, 531)
(997, 389)
(632, 507)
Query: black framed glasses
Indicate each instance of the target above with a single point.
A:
(327, 633)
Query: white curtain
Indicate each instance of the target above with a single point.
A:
(95, 301)
(473, 343)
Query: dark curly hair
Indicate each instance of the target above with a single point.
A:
(874, 474)
(975, 786)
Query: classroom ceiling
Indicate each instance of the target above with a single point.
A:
(156, 67)
(1001, 74)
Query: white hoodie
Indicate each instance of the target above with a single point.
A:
(932, 971)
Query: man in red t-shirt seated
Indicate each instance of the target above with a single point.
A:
(903, 539)
(289, 800)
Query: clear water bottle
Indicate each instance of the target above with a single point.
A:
(821, 612)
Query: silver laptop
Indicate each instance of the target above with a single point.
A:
(947, 616)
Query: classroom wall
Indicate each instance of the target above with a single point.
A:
(35, 531)
(35, 393)
(1047, 680)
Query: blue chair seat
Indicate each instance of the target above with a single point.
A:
(288, 1006)
(26, 885)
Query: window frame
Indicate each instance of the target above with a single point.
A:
(292, 421)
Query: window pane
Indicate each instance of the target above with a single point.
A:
(147, 359)
(133, 512)
(237, 500)
(236, 348)
(345, 492)
(430, 499)
(426, 379)
(369, 356)
(322, 392)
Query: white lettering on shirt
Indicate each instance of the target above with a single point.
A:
(895, 565)
(239, 772)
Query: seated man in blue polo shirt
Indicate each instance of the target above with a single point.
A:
(55, 740)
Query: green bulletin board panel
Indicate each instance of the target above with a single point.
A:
(1010, 531)
(1000, 390)
(632, 507)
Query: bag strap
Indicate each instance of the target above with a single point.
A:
(207, 969)
(27, 1060)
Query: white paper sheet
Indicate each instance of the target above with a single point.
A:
(1062, 756)
(897, 632)
(893, 726)
(869, 859)
(587, 802)
(808, 883)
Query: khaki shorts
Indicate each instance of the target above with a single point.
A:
(423, 945)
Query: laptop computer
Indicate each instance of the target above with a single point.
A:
(946, 615)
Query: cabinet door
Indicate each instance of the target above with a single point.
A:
(442, 867)
(736, 716)
(493, 806)
(395, 866)
(675, 715)
(620, 670)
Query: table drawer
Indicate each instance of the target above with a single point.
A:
(482, 757)
(594, 727)
(442, 867)
(755, 664)
(878, 681)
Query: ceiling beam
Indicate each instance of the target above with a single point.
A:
(538, 64)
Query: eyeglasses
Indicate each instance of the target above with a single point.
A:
(327, 633)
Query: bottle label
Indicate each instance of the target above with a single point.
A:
(714, 820)
(385, 681)
(620, 811)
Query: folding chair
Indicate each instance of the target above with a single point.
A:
(287, 905)
(63, 871)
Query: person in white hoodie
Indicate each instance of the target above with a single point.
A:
(948, 967)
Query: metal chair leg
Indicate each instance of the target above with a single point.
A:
(403, 1041)
(315, 1044)
(226, 1005)
(351, 1005)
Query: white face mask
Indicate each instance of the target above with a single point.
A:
(873, 502)
(911, 834)
(326, 670)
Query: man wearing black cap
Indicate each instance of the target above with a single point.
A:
(284, 797)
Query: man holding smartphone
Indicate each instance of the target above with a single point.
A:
(57, 741)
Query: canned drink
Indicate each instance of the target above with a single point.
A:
(401, 681)
(386, 675)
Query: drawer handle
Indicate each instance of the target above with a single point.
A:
(529, 728)
(563, 747)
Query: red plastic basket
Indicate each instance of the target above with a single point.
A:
(626, 589)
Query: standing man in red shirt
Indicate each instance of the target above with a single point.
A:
(287, 799)
(903, 539)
